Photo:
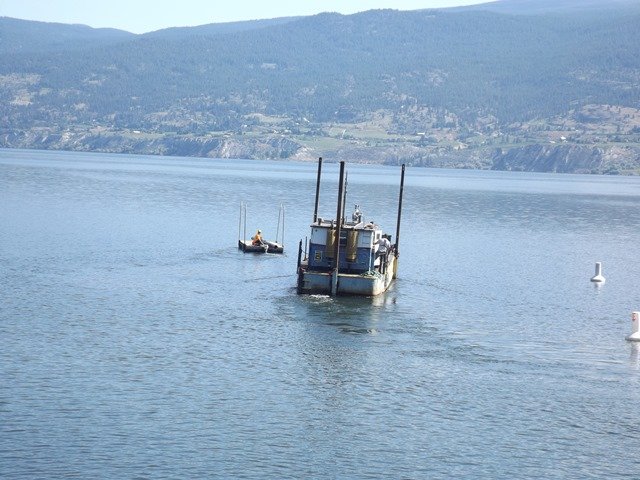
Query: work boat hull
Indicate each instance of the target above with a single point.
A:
(267, 247)
(366, 284)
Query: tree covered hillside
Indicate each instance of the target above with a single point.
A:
(430, 81)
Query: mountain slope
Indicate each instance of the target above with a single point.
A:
(25, 37)
(218, 28)
(529, 7)
(431, 80)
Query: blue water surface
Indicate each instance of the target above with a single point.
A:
(136, 341)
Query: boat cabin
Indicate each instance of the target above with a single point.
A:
(357, 247)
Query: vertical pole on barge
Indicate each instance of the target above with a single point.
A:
(298, 271)
(334, 276)
(240, 225)
(280, 215)
(395, 264)
(344, 195)
(245, 225)
(315, 210)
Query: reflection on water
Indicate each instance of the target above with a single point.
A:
(634, 358)
(136, 340)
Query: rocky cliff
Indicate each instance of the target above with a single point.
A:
(561, 158)
(568, 159)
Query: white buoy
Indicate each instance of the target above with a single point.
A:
(598, 277)
(635, 327)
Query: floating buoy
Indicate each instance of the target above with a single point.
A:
(598, 276)
(635, 327)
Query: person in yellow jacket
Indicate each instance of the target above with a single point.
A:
(257, 238)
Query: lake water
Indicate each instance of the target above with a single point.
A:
(136, 341)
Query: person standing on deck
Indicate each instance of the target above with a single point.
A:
(383, 249)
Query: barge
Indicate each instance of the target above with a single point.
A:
(347, 257)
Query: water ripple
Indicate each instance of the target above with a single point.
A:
(136, 341)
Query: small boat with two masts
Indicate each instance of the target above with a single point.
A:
(258, 244)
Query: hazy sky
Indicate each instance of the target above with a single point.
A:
(141, 16)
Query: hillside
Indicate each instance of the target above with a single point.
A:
(26, 37)
(489, 86)
(535, 7)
